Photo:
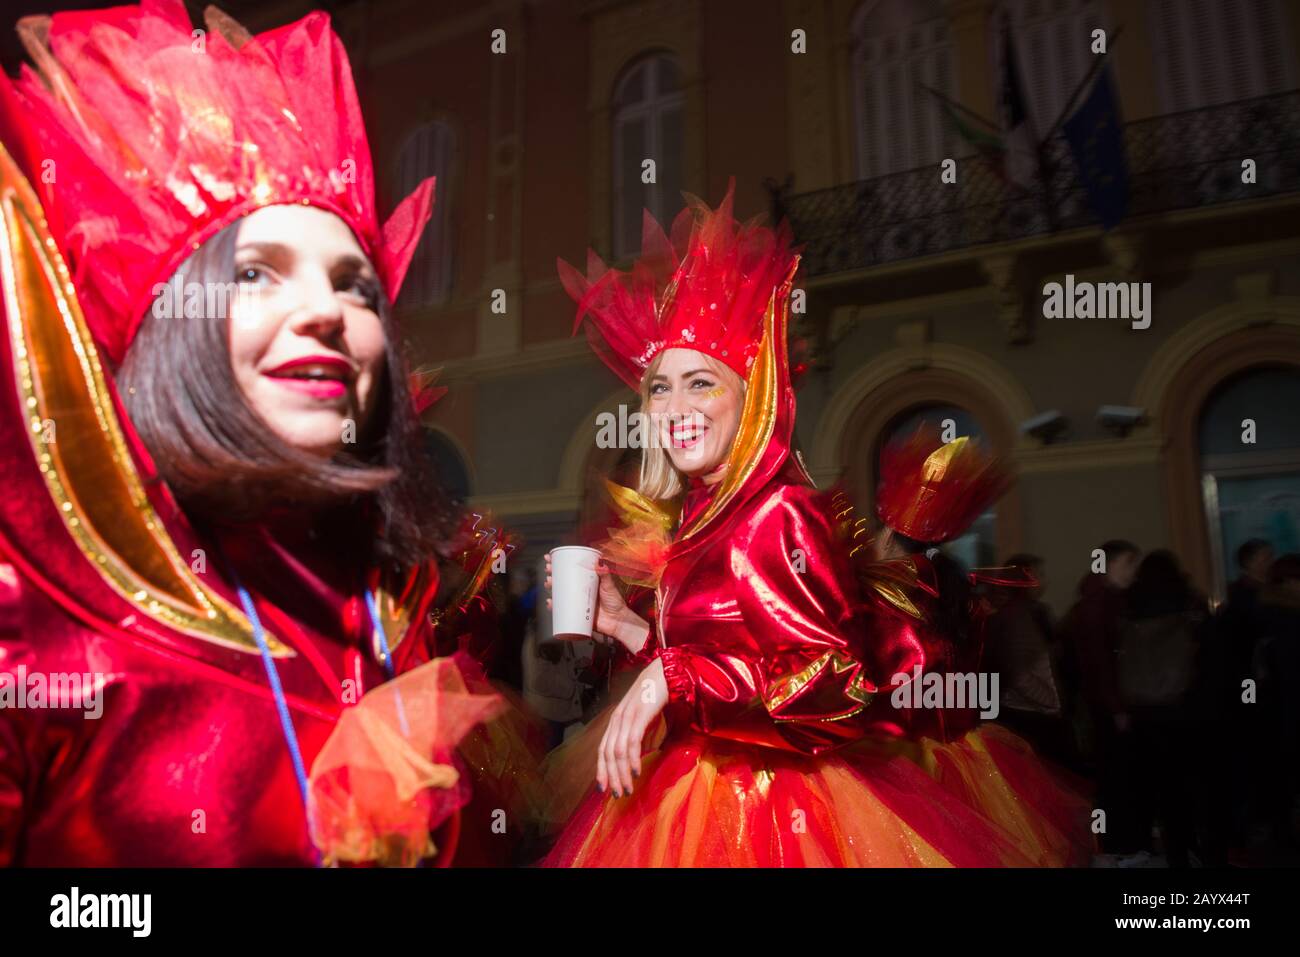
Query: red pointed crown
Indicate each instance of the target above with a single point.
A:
(932, 490)
(161, 135)
(707, 288)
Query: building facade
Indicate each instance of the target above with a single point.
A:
(924, 298)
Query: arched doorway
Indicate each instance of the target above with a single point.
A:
(903, 401)
(1181, 398)
(1249, 444)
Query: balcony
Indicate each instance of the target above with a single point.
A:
(1175, 162)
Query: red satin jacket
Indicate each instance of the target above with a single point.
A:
(186, 764)
(137, 725)
(772, 633)
(758, 626)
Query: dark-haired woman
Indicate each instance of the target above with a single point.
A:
(224, 541)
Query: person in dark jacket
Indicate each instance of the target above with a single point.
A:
(1239, 616)
(1163, 634)
(1090, 639)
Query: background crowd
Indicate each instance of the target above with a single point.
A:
(1184, 715)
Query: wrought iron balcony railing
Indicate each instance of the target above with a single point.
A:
(1177, 161)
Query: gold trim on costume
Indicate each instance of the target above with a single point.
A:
(78, 442)
(395, 602)
(637, 548)
(788, 686)
(894, 580)
(759, 413)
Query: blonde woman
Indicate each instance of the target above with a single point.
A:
(752, 653)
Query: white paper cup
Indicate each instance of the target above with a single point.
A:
(575, 588)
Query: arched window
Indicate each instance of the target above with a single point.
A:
(429, 151)
(978, 546)
(1250, 465)
(647, 125)
(1208, 52)
(898, 45)
(1054, 49)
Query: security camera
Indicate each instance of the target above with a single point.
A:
(1047, 426)
(1121, 419)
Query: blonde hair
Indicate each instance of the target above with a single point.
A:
(659, 478)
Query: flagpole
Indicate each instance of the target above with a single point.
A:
(1046, 168)
(1043, 168)
(953, 103)
(1083, 84)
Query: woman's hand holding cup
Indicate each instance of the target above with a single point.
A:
(612, 616)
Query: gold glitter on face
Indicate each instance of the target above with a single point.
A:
(698, 409)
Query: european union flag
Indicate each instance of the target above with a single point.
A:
(1096, 137)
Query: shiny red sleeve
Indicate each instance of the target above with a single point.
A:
(804, 685)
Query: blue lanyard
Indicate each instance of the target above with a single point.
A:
(387, 656)
(273, 679)
(378, 625)
(273, 676)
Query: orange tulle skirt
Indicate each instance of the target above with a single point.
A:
(705, 802)
(995, 772)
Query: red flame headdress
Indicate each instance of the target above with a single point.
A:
(707, 289)
(146, 137)
(932, 490)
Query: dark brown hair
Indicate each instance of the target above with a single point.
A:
(223, 462)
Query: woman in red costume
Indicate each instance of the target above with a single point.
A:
(218, 534)
(753, 652)
(929, 619)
